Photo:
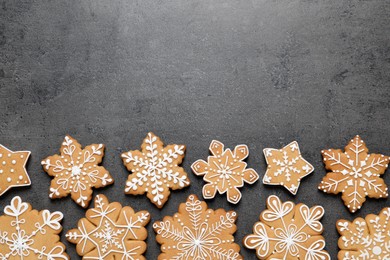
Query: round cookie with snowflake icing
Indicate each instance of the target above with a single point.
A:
(225, 171)
(288, 231)
(110, 231)
(364, 239)
(28, 234)
(155, 170)
(76, 171)
(196, 232)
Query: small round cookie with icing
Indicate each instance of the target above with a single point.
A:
(225, 171)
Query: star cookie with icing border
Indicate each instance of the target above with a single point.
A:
(355, 173)
(225, 171)
(13, 169)
(286, 167)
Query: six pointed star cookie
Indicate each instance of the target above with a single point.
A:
(196, 232)
(365, 239)
(28, 234)
(286, 167)
(110, 232)
(13, 169)
(354, 173)
(288, 231)
(76, 171)
(155, 170)
(225, 171)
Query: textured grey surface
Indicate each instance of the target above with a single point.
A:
(257, 72)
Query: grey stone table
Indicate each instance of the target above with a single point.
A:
(262, 73)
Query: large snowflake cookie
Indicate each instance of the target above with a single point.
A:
(225, 171)
(155, 170)
(365, 239)
(288, 231)
(110, 232)
(76, 171)
(196, 232)
(354, 173)
(286, 167)
(13, 169)
(28, 234)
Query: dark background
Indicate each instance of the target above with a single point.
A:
(262, 73)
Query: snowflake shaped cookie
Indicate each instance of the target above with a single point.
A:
(76, 171)
(28, 234)
(286, 167)
(155, 170)
(354, 173)
(196, 232)
(365, 239)
(288, 231)
(225, 171)
(110, 232)
(13, 169)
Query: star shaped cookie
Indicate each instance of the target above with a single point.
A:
(286, 167)
(13, 169)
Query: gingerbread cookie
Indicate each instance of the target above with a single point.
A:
(365, 238)
(225, 171)
(155, 170)
(13, 169)
(196, 232)
(28, 234)
(288, 231)
(76, 171)
(286, 167)
(110, 232)
(354, 173)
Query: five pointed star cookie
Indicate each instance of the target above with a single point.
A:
(225, 171)
(286, 167)
(354, 173)
(155, 170)
(13, 169)
(110, 231)
(76, 171)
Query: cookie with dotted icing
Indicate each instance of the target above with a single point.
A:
(355, 173)
(365, 238)
(288, 231)
(30, 234)
(110, 231)
(13, 169)
(196, 232)
(76, 171)
(225, 171)
(155, 169)
(286, 167)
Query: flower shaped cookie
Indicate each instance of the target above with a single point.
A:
(365, 239)
(354, 173)
(110, 232)
(286, 167)
(28, 234)
(288, 231)
(77, 171)
(225, 171)
(196, 232)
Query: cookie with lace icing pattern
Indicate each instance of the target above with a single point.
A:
(155, 169)
(365, 239)
(76, 171)
(110, 231)
(288, 231)
(225, 171)
(286, 167)
(196, 232)
(13, 169)
(355, 173)
(30, 234)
